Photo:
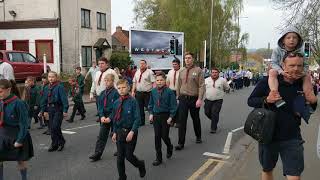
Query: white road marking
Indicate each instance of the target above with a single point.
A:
(227, 145)
(214, 155)
(81, 127)
(238, 129)
(68, 132)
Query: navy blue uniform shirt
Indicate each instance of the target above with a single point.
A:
(162, 101)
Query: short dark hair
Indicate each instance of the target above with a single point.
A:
(188, 53)
(292, 54)
(176, 60)
(78, 68)
(44, 76)
(215, 69)
(104, 59)
(144, 61)
(162, 74)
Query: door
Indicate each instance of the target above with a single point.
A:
(34, 68)
(17, 62)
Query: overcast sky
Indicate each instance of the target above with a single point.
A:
(259, 19)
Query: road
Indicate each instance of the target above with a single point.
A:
(73, 163)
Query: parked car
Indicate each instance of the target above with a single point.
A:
(24, 64)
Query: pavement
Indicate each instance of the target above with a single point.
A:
(244, 164)
(73, 163)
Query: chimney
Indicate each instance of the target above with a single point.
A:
(118, 29)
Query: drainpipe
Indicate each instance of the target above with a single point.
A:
(60, 34)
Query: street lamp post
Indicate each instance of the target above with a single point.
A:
(210, 51)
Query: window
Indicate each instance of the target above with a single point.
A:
(86, 52)
(3, 45)
(1, 56)
(85, 18)
(44, 47)
(15, 57)
(114, 47)
(101, 21)
(123, 48)
(20, 45)
(29, 58)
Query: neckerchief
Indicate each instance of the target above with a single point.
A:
(99, 81)
(160, 92)
(214, 82)
(28, 93)
(51, 86)
(174, 78)
(3, 103)
(188, 69)
(117, 117)
(141, 72)
(106, 94)
(74, 89)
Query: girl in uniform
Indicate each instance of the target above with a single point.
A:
(15, 140)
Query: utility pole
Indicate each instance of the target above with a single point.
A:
(210, 52)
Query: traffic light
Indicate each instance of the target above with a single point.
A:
(307, 50)
(172, 46)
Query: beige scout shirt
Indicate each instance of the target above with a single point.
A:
(97, 88)
(215, 92)
(147, 79)
(170, 79)
(194, 86)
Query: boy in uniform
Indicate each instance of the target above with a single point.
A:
(126, 121)
(162, 108)
(105, 104)
(80, 80)
(75, 94)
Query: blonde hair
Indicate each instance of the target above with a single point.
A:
(53, 72)
(110, 76)
(123, 81)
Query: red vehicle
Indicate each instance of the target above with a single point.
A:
(24, 64)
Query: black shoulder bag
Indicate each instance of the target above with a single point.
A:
(260, 124)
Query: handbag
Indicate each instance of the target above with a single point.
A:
(260, 124)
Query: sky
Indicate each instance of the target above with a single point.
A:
(258, 18)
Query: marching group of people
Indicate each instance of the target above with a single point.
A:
(168, 99)
(120, 106)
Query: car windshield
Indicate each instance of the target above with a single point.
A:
(29, 58)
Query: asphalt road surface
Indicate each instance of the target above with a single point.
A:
(73, 163)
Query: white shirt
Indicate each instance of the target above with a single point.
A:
(249, 74)
(6, 71)
(216, 92)
(147, 78)
(170, 79)
(92, 71)
(96, 88)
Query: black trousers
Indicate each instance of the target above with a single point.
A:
(175, 119)
(212, 111)
(186, 104)
(125, 151)
(78, 106)
(33, 113)
(55, 120)
(161, 131)
(102, 137)
(143, 101)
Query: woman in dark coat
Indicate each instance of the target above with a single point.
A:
(15, 140)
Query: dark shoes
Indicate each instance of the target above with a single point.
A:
(53, 148)
(115, 153)
(47, 132)
(157, 162)
(70, 121)
(169, 152)
(142, 170)
(60, 147)
(198, 141)
(213, 131)
(179, 147)
(83, 117)
(95, 157)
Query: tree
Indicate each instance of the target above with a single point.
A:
(265, 53)
(193, 18)
(120, 60)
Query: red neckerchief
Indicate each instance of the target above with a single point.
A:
(51, 86)
(106, 94)
(74, 89)
(3, 103)
(188, 69)
(119, 109)
(141, 72)
(214, 82)
(174, 78)
(160, 92)
(28, 93)
(99, 81)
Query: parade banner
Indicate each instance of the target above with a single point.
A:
(158, 48)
